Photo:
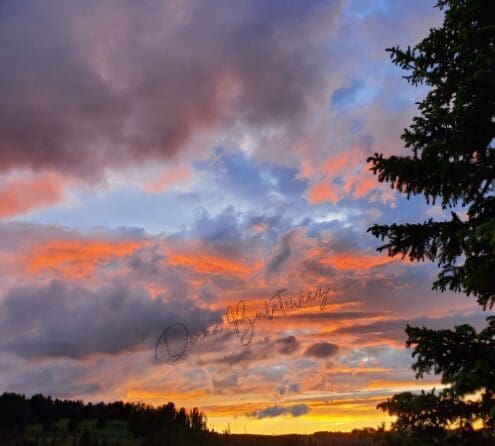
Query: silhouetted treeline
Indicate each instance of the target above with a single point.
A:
(144, 421)
(147, 426)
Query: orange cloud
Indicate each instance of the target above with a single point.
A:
(344, 261)
(167, 179)
(208, 264)
(364, 185)
(22, 195)
(408, 384)
(342, 161)
(355, 179)
(321, 192)
(75, 258)
(348, 261)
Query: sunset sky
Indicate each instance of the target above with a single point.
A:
(162, 160)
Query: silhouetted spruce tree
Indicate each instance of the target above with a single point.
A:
(453, 163)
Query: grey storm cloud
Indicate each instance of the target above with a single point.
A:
(67, 320)
(275, 411)
(281, 253)
(321, 350)
(249, 354)
(288, 345)
(90, 85)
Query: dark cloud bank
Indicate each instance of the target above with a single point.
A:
(66, 320)
(89, 85)
(321, 350)
(275, 411)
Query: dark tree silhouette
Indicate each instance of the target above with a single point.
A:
(144, 421)
(182, 418)
(198, 420)
(169, 413)
(452, 162)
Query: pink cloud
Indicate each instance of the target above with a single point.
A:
(343, 175)
(76, 259)
(22, 195)
(113, 85)
(321, 192)
(167, 179)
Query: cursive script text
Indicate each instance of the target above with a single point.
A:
(177, 339)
